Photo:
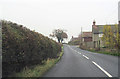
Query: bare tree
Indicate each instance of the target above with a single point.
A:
(59, 34)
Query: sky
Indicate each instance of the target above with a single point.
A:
(119, 11)
(44, 16)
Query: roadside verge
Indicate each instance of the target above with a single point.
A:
(105, 52)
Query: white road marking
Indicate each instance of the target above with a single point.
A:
(75, 51)
(102, 69)
(79, 52)
(86, 57)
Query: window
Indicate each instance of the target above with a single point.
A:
(100, 35)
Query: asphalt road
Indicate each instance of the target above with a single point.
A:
(80, 63)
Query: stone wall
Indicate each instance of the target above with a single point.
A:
(88, 44)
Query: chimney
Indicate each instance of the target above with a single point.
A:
(94, 22)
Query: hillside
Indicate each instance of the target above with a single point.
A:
(22, 48)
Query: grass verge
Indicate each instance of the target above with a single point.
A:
(39, 70)
(105, 52)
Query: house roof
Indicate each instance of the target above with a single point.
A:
(99, 28)
(87, 34)
(74, 38)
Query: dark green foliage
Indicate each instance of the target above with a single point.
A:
(22, 47)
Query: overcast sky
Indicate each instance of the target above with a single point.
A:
(44, 16)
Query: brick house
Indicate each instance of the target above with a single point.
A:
(87, 39)
(87, 36)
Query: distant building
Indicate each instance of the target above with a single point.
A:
(74, 41)
(74, 38)
(97, 33)
(87, 36)
(87, 39)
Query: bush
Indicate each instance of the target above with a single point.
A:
(22, 47)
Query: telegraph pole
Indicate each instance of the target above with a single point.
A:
(119, 26)
(81, 37)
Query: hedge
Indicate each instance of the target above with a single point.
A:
(22, 48)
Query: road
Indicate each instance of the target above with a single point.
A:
(80, 63)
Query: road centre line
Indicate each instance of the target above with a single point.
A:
(109, 75)
(86, 57)
(102, 69)
(74, 50)
(78, 52)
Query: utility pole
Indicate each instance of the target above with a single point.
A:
(119, 26)
(81, 37)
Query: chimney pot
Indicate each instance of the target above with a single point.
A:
(94, 22)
